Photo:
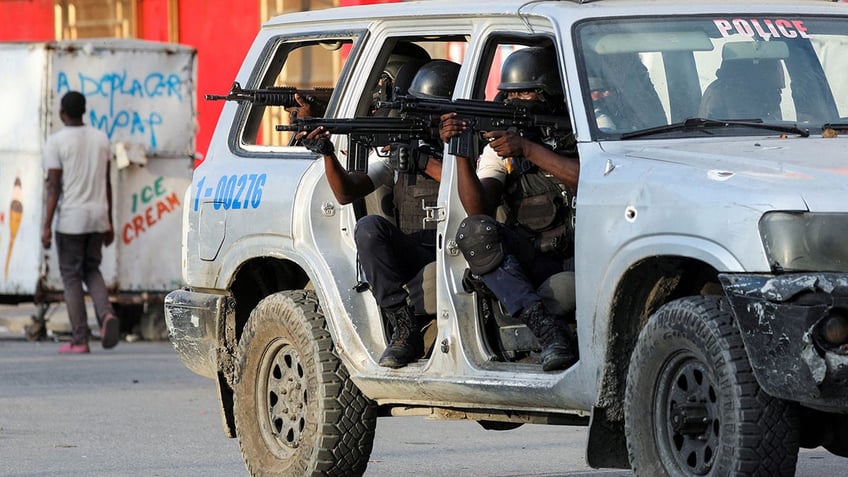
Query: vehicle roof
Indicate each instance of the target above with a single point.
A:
(115, 44)
(587, 8)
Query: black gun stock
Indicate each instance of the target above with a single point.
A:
(275, 96)
(479, 115)
(366, 133)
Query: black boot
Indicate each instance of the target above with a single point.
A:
(406, 344)
(558, 352)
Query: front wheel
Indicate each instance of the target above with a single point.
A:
(297, 413)
(692, 405)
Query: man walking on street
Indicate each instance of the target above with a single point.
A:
(76, 159)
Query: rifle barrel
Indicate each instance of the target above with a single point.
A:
(274, 95)
(355, 125)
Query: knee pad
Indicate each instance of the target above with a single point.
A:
(479, 240)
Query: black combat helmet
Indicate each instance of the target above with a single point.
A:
(397, 75)
(533, 68)
(404, 61)
(435, 80)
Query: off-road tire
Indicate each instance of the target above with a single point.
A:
(297, 413)
(692, 405)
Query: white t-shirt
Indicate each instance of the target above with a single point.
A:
(380, 172)
(491, 165)
(83, 154)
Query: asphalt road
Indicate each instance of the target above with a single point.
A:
(136, 411)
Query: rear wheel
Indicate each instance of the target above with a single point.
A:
(692, 405)
(297, 413)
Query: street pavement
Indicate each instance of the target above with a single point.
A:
(174, 429)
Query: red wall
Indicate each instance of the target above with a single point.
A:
(222, 31)
(153, 20)
(26, 20)
(347, 3)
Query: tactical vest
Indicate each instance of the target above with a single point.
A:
(409, 192)
(540, 206)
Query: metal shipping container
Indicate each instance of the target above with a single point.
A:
(142, 94)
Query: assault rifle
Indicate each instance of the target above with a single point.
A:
(480, 116)
(366, 133)
(276, 96)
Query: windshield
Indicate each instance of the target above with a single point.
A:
(642, 74)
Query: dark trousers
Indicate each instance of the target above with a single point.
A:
(390, 258)
(523, 269)
(79, 262)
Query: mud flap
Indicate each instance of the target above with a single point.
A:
(607, 445)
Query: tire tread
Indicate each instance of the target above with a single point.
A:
(766, 433)
(347, 418)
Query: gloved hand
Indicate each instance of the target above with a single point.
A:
(422, 157)
(321, 145)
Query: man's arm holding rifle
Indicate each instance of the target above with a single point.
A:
(365, 134)
(510, 131)
(479, 117)
(347, 185)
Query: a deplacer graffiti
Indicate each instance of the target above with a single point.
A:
(156, 202)
(16, 212)
(116, 85)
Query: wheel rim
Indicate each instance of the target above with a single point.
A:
(281, 398)
(687, 412)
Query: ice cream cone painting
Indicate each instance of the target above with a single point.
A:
(16, 211)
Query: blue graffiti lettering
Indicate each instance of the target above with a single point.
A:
(154, 85)
(113, 85)
(117, 84)
(110, 85)
(62, 83)
(133, 121)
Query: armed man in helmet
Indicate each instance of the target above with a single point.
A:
(394, 254)
(532, 177)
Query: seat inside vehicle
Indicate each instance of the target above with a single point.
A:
(748, 83)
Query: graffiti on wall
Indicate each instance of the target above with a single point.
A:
(124, 104)
(148, 206)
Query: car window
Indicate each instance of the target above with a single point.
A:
(403, 55)
(312, 67)
(497, 50)
(396, 67)
(641, 74)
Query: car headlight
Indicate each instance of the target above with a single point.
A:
(806, 241)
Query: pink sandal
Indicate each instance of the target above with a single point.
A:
(71, 348)
(110, 332)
